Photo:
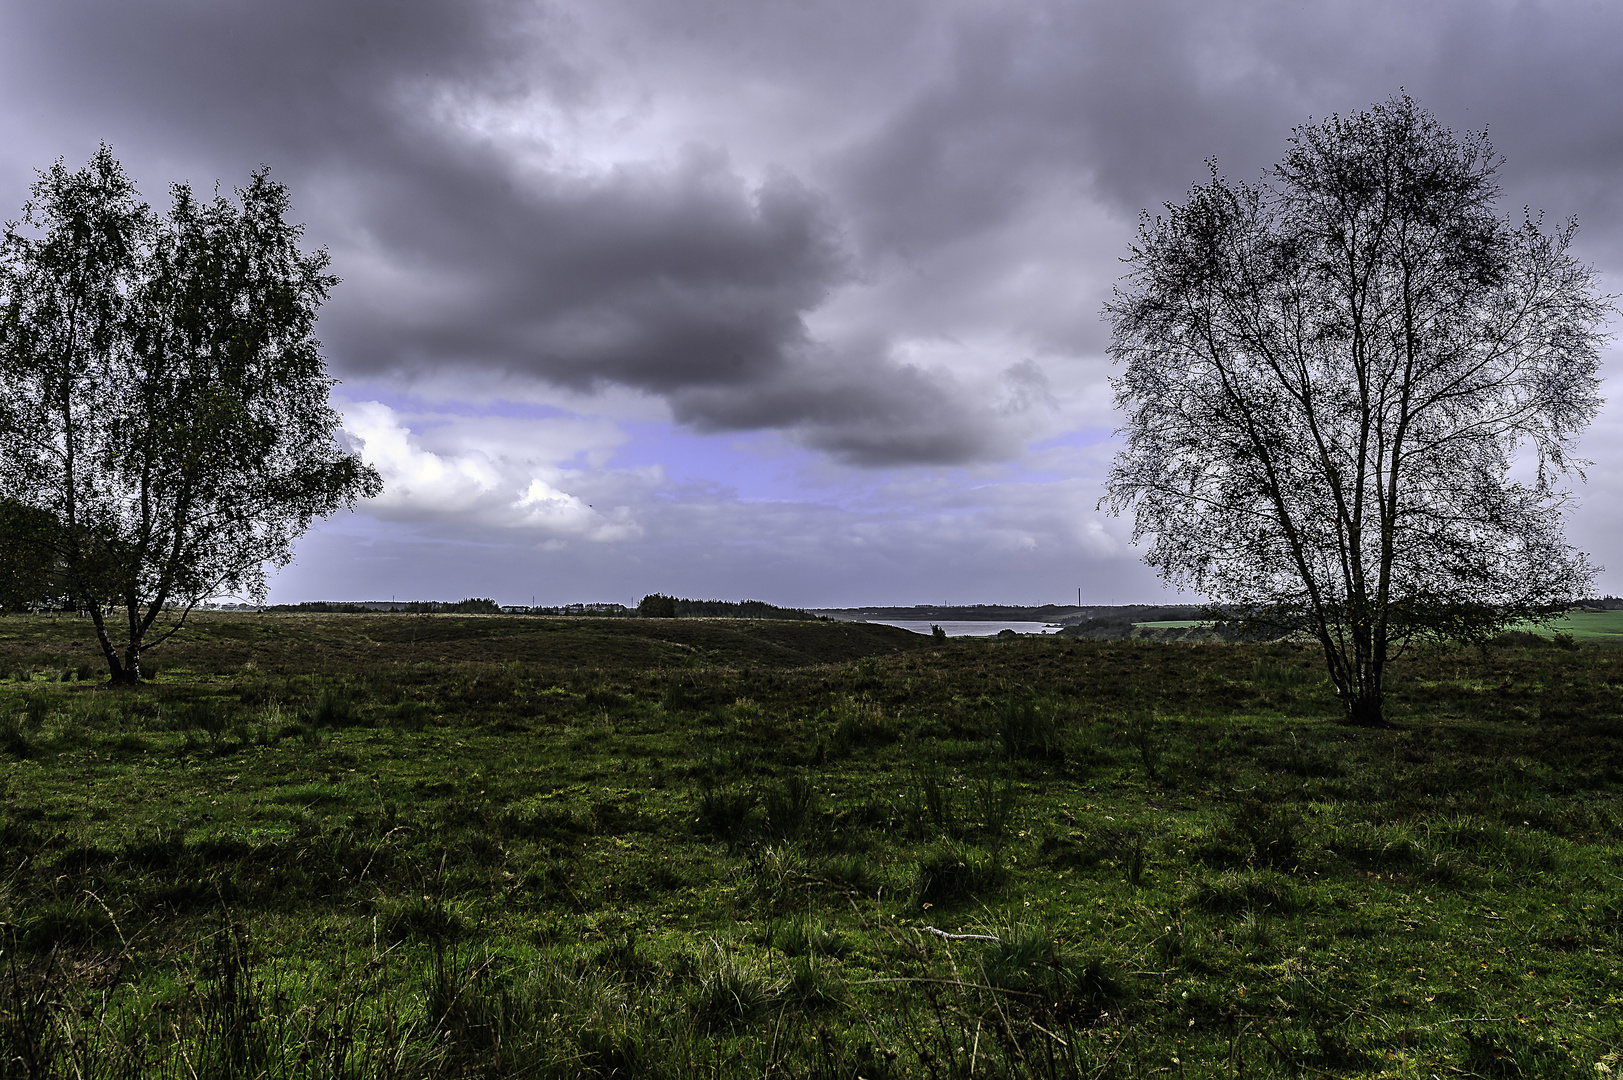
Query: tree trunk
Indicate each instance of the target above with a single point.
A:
(1366, 703)
(116, 671)
(132, 664)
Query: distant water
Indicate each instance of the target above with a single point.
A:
(968, 629)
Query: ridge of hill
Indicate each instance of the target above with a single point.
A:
(287, 643)
(1064, 614)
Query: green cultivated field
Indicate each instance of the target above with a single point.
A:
(1587, 626)
(424, 846)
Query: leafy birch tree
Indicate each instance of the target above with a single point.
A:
(1352, 394)
(163, 398)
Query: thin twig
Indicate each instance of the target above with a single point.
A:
(948, 982)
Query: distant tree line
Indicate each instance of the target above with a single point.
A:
(471, 606)
(660, 606)
(653, 606)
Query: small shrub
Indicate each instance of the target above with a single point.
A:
(1521, 639)
(1142, 735)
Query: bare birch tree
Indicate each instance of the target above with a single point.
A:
(1352, 395)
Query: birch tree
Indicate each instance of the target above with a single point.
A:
(1352, 393)
(163, 397)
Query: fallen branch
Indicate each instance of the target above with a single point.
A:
(961, 937)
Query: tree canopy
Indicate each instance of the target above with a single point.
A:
(1352, 393)
(163, 398)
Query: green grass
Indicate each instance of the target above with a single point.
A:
(1584, 626)
(485, 846)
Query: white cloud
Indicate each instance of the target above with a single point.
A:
(481, 472)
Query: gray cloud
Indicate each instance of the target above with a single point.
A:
(1131, 98)
(914, 140)
(863, 408)
(654, 278)
(674, 276)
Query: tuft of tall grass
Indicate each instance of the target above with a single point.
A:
(1030, 729)
(790, 807)
(806, 935)
(1271, 673)
(728, 993)
(17, 731)
(725, 812)
(1143, 735)
(1236, 892)
(1054, 980)
(934, 801)
(951, 873)
(996, 803)
(335, 708)
(860, 723)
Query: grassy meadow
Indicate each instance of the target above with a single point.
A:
(438, 845)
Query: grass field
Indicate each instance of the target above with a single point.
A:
(484, 846)
(1581, 625)
(1587, 626)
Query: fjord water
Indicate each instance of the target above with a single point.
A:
(967, 628)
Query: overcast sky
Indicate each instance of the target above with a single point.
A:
(781, 299)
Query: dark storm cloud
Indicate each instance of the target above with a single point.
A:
(862, 408)
(676, 278)
(1130, 99)
(659, 279)
(466, 248)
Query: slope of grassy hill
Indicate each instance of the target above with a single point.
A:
(223, 643)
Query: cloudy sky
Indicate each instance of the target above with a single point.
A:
(796, 300)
